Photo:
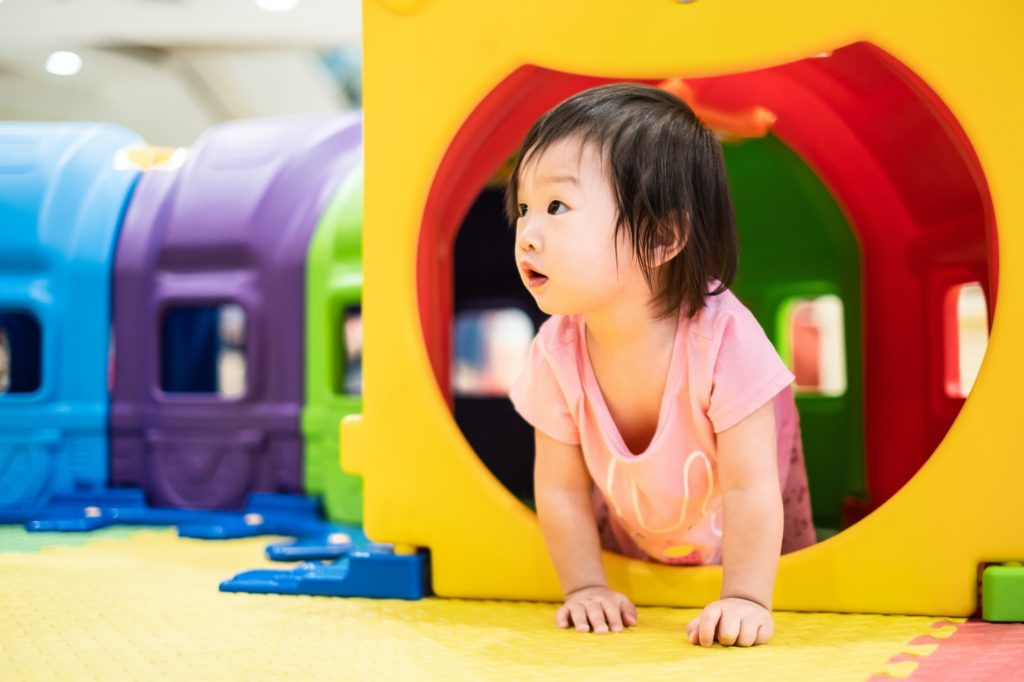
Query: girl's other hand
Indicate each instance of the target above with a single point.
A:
(596, 608)
(731, 621)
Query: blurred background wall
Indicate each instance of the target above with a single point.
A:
(169, 69)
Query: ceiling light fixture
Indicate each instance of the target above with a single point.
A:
(276, 5)
(64, 63)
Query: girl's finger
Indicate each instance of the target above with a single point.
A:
(764, 633)
(630, 616)
(595, 612)
(579, 617)
(748, 633)
(728, 628)
(708, 622)
(612, 615)
(562, 617)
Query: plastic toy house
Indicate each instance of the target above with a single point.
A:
(912, 142)
(61, 204)
(334, 287)
(209, 307)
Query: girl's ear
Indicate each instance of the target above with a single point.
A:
(672, 238)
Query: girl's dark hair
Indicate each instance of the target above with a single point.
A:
(669, 180)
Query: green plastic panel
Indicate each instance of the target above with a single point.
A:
(795, 243)
(334, 285)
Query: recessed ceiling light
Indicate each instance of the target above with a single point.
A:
(276, 5)
(64, 63)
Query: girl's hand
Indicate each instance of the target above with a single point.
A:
(597, 608)
(730, 621)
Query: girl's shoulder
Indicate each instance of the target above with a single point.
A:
(554, 359)
(718, 310)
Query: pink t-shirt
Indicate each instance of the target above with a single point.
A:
(667, 498)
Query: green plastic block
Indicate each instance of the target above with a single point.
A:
(1002, 593)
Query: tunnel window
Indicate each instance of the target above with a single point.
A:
(5, 362)
(490, 349)
(816, 345)
(966, 314)
(204, 350)
(349, 375)
(111, 358)
(20, 352)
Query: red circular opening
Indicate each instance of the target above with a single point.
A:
(894, 158)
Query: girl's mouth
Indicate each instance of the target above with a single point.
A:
(535, 279)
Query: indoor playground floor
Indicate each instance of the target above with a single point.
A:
(143, 604)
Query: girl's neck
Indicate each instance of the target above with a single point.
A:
(628, 327)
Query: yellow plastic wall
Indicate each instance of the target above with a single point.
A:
(428, 63)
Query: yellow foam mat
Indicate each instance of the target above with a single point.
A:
(147, 607)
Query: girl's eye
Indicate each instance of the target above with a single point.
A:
(522, 210)
(556, 207)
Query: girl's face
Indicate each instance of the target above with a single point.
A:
(565, 235)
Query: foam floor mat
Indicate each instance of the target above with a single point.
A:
(145, 605)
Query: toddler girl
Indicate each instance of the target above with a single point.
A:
(665, 424)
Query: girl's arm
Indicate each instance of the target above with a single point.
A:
(751, 505)
(563, 490)
(751, 534)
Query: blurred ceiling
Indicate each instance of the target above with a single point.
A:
(169, 69)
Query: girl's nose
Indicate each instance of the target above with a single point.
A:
(528, 237)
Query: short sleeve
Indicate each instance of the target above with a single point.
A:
(748, 371)
(540, 400)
